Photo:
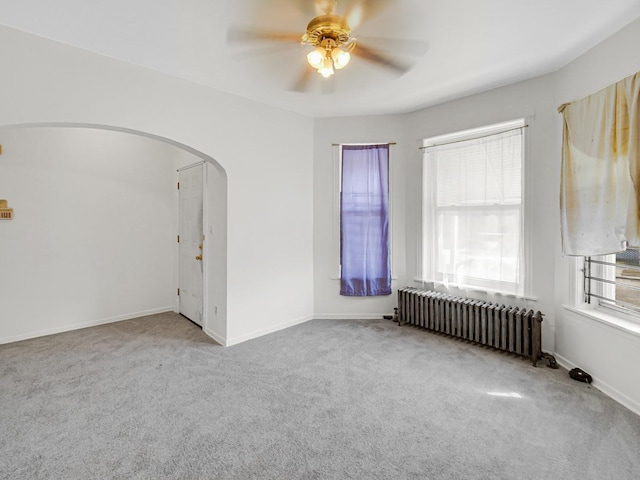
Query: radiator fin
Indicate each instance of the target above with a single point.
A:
(503, 327)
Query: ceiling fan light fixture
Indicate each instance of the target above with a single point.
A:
(340, 58)
(316, 58)
(327, 69)
(327, 33)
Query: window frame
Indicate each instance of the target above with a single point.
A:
(425, 246)
(624, 321)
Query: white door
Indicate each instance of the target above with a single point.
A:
(190, 238)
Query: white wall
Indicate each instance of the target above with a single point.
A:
(368, 129)
(609, 354)
(93, 236)
(215, 254)
(266, 153)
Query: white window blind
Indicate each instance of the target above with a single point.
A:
(473, 211)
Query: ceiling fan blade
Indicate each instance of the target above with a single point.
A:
(357, 11)
(263, 50)
(396, 45)
(325, 7)
(249, 34)
(380, 59)
(302, 83)
(313, 8)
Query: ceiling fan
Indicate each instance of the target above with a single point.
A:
(330, 41)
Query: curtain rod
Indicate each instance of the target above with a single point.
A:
(364, 144)
(471, 138)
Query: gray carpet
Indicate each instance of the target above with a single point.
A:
(155, 398)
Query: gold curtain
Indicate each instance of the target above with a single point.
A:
(600, 184)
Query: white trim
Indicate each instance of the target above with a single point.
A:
(81, 325)
(186, 167)
(617, 322)
(205, 245)
(335, 224)
(576, 283)
(350, 316)
(260, 333)
(218, 338)
(528, 187)
(420, 223)
(605, 388)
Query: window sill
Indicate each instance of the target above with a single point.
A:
(609, 319)
(469, 288)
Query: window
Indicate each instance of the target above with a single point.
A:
(364, 221)
(613, 281)
(599, 203)
(473, 209)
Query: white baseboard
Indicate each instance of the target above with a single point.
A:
(265, 331)
(80, 325)
(605, 388)
(218, 338)
(350, 316)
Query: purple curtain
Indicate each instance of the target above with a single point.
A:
(364, 221)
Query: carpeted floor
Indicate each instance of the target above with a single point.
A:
(155, 398)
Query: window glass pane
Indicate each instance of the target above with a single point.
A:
(481, 244)
(625, 274)
(473, 211)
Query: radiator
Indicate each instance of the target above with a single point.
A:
(507, 328)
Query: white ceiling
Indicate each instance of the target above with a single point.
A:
(473, 45)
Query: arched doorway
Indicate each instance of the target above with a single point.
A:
(93, 235)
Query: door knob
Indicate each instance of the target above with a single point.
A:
(199, 257)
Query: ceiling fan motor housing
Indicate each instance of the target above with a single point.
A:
(327, 27)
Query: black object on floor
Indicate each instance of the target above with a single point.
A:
(580, 375)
